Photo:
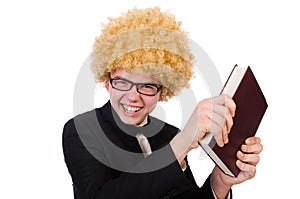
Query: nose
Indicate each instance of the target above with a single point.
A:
(133, 95)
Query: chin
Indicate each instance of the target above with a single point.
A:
(130, 121)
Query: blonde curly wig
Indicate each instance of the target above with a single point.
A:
(148, 42)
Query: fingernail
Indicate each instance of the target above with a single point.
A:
(226, 141)
(244, 148)
(247, 141)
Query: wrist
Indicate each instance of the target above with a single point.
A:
(180, 147)
(220, 188)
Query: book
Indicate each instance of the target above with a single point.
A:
(251, 105)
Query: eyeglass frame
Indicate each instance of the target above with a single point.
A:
(137, 85)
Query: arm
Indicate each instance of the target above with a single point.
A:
(93, 179)
(212, 115)
(215, 115)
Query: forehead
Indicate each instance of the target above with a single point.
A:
(132, 76)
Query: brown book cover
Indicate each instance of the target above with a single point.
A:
(251, 105)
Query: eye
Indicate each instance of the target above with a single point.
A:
(149, 87)
(121, 83)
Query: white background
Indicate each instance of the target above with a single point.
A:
(43, 45)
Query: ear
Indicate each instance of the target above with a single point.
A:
(107, 85)
(160, 98)
(160, 94)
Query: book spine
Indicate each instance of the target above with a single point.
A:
(228, 78)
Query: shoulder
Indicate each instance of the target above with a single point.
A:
(79, 121)
(87, 117)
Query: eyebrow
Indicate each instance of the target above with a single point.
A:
(151, 83)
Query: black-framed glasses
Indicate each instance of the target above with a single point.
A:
(121, 84)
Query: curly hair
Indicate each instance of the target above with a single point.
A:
(148, 42)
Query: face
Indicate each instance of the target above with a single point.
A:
(131, 106)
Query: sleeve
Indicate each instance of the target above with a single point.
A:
(93, 179)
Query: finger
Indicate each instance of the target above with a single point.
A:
(222, 123)
(226, 101)
(230, 104)
(217, 131)
(224, 119)
(212, 122)
(243, 166)
(252, 148)
(194, 144)
(253, 140)
(252, 159)
(248, 171)
(224, 112)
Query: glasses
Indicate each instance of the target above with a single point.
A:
(148, 89)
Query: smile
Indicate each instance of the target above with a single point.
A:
(131, 109)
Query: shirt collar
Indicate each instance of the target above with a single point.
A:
(143, 123)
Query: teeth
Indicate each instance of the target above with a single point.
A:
(131, 109)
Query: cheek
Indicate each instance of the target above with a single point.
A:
(116, 96)
(151, 103)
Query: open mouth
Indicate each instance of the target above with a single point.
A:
(131, 109)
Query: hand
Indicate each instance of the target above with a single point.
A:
(248, 158)
(212, 115)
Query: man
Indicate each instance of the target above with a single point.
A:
(118, 150)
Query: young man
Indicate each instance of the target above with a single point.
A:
(118, 150)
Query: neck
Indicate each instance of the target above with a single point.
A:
(143, 123)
